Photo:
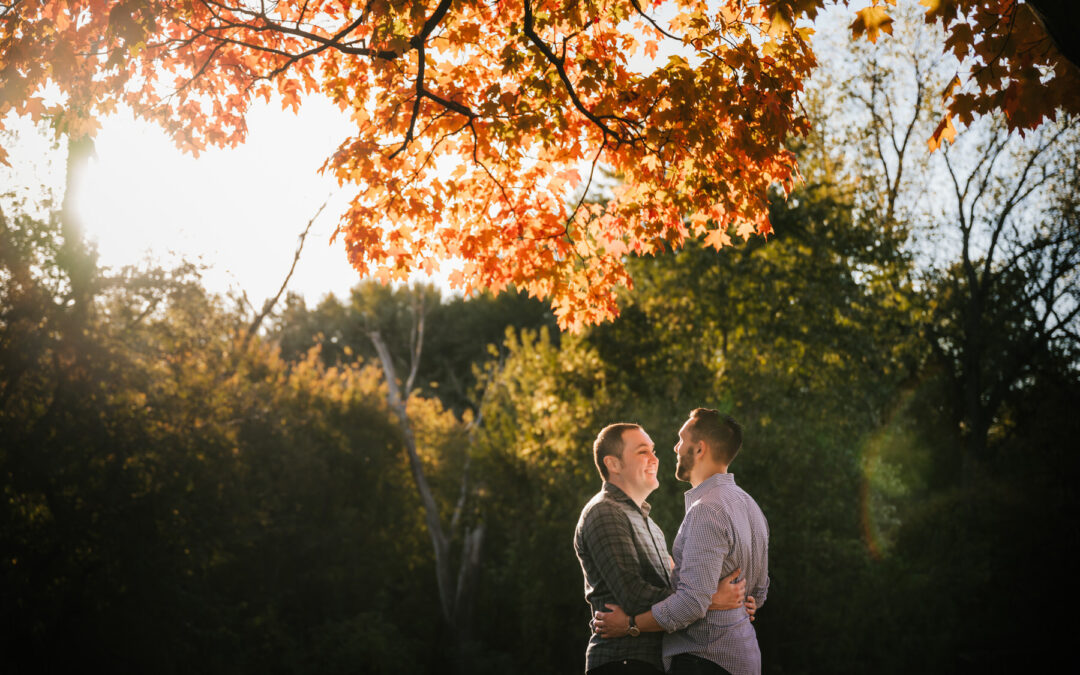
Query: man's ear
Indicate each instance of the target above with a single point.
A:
(613, 464)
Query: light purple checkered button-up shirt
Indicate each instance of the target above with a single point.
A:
(723, 530)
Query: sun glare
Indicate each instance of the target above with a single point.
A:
(237, 210)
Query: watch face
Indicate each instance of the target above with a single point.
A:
(634, 631)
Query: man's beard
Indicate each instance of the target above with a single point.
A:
(684, 464)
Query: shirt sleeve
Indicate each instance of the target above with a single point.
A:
(707, 544)
(609, 537)
(760, 593)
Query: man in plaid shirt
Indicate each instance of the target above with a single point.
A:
(723, 530)
(623, 553)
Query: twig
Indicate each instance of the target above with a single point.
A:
(270, 302)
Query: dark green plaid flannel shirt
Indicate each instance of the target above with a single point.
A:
(625, 560)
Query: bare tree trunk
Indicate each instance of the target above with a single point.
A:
(466, 583)
(455, 595)
(427, 499)
(73, 257)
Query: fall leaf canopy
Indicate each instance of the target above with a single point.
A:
(480, 126)
(1013, 61)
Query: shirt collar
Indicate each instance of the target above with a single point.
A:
(616, 493)
(713, 481)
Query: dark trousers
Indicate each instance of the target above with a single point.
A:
(688, 664)
(625, 667)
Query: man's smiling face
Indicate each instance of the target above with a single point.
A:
(639, 464)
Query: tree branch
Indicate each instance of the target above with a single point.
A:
(268, 305)
(530, 32)
(416, 338)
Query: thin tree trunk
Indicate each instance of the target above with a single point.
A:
(455, 599)
(431, 510)
(73, 257)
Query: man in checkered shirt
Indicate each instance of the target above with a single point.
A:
(623, 553)
(723, 531)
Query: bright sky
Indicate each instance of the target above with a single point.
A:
(239, 211)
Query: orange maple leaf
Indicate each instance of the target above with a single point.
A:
(717, 239)
(872, 21)
(945, 131)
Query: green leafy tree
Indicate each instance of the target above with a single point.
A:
(458, 333)
(178, 499)
(545, 404)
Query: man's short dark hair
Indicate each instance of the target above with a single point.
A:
(609, 442)
(721, 432)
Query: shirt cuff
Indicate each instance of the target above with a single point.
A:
(663, 617)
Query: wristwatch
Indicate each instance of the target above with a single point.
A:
(633, 630)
